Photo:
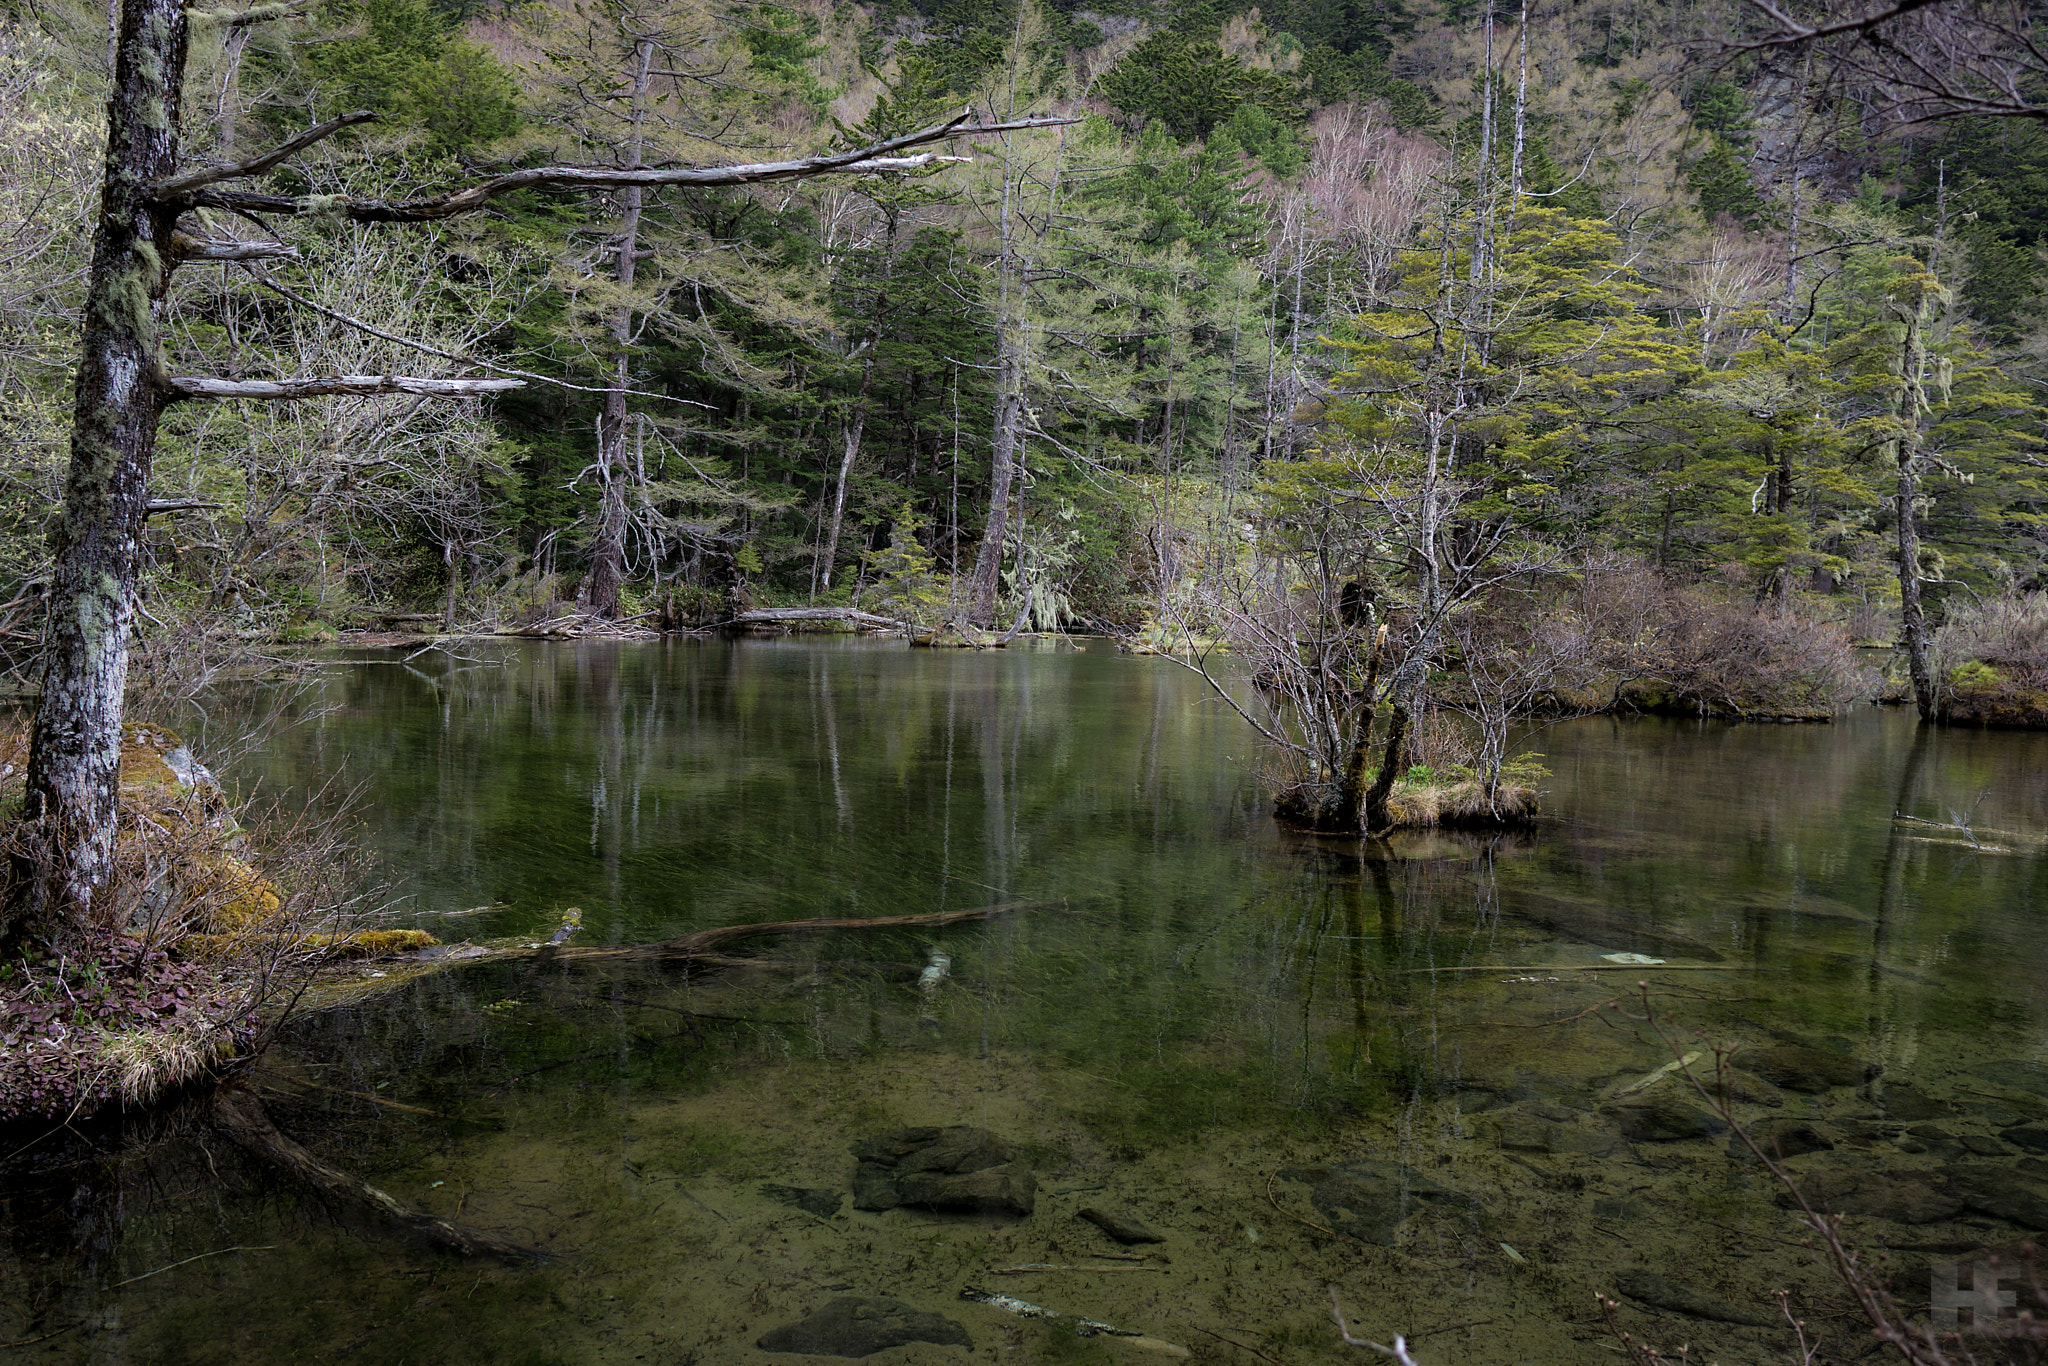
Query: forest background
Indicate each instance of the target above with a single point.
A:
(1591, 355)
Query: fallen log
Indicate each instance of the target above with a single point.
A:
(700, 945)
(242, 1118)
(698, 949)
(852, 616)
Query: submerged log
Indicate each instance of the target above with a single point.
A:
(701, 944)
(242, 1118)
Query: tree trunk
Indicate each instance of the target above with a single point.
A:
(454, 583)
(71, 802)
(1351, 787)
(608, 547)
(1010, 367)
(1390, 768)
(860, 405)
(1912, 619)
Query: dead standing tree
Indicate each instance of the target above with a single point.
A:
(66, 853)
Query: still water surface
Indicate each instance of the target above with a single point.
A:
(1268, 1048)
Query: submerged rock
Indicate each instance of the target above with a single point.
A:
(1999, 1191)
(2028, 1078)
(1908, 1103)
(2031, 1138)
(1367, 1200)
(1009, 1189)
(1660, 1292)
(1524, 1133)
(1902, 1197)
(1121, 1227)
(1782, 1138)
(956, 1168)
(1666, 1119)
(1810, 1070)
(1747, 1090)
(859, 1326)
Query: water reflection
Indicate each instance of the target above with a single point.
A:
(1272, 1048)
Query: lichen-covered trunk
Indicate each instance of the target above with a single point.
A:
(75, 747)
(1912, 617)
(988, 562)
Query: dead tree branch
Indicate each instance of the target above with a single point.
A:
(876, 157)
(175, 188)
(354, 386)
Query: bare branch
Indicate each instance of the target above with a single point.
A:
(190, 248)
(1790, 31)
(261, 14)
(157, 505)
(263, 279)
(1916, 61)
(206, 386)
(179, 186)
(877, 157)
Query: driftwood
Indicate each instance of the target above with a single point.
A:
(784, 616)
(242, 1118)
(583, 626)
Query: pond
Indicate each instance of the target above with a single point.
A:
(1302, 1063)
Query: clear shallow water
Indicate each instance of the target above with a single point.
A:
(1202, 1020)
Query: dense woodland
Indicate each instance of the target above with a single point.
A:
(1430, 368)
(1434, 358)
(1085, 372)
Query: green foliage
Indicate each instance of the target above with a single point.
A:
(1723, 184)
(398, 58)
(783, 44)
(1722, 109)
(1192, 86)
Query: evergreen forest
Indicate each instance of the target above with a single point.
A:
(1602, 355)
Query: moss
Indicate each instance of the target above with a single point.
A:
(320, 205)
(310, 633)
(1975, 674)
(376, 943)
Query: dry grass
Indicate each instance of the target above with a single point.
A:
(1461, 801)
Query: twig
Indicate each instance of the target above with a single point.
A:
(30, 1342)
(1240, 1346)
(221, 1252)
(362, 1095)
(1450, 1328)
(1295, 1217)
(1399, 1351)
(1032, 1268)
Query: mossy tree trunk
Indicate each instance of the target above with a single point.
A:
(119, 395)
(1910, 297)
